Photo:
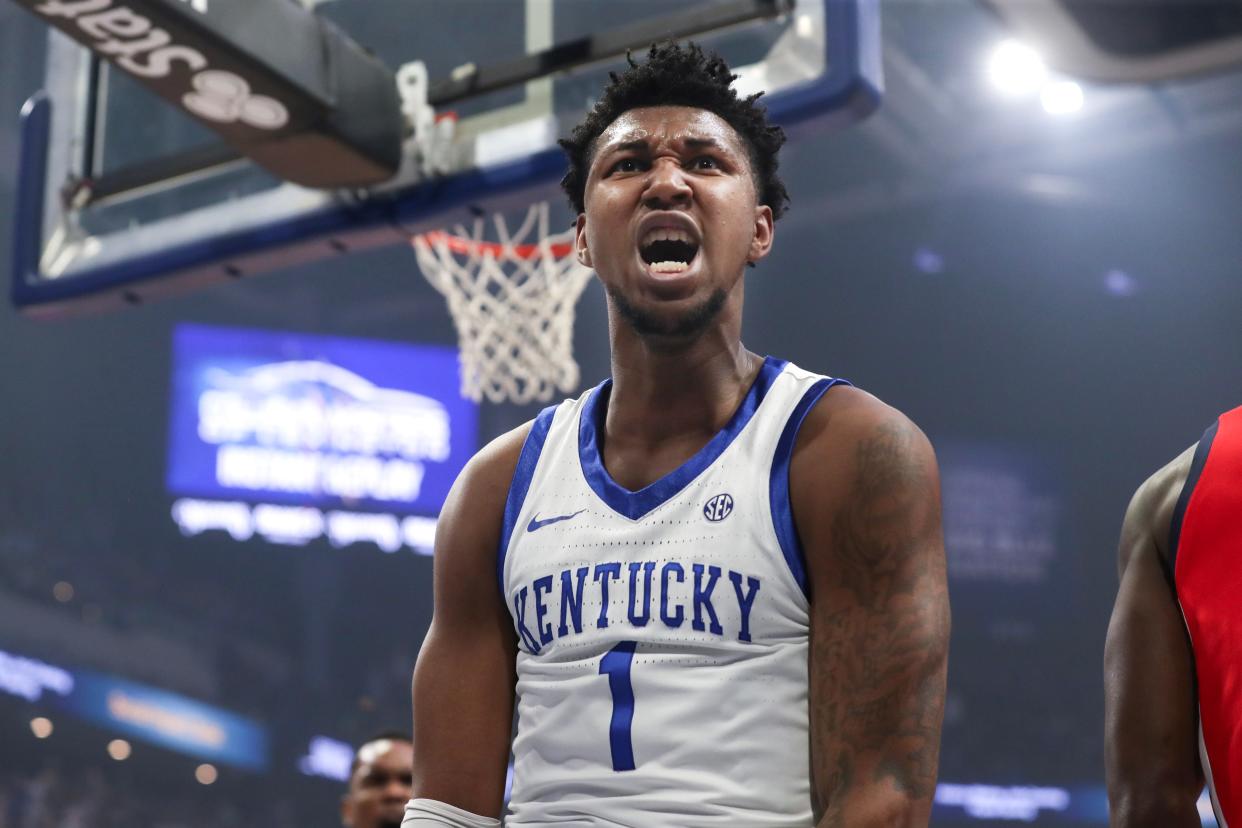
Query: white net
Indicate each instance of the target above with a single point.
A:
(512, 301)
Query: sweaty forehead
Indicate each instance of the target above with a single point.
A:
(658, 126)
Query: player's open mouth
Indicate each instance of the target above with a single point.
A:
(668, 250)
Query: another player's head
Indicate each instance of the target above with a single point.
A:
(675, 181)
(379, 783)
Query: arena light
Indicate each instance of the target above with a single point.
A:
(29, 678)
(928, 261)
(1120, 283)
(119, 749)
(1015, 68)
(206, 774)
(41, 727)
(1063, 97)
(329, 758)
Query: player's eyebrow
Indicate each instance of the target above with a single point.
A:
(623, 146)
(642, 144)
(704, 143)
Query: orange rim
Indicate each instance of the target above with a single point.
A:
(470, 247)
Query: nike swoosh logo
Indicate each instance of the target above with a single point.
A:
(536, 524)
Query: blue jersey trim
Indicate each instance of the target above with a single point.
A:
(1179, 513)
(636, 504)
(520, 485)
(778, 484)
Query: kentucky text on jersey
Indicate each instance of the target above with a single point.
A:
(668, 593)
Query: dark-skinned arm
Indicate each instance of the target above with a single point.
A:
(463, 688)
(866, 501)
(1151, 758)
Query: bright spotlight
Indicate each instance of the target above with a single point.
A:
(1119, 283)
(205, 774)
(119, 749)
(41, 727)
(1061, 97)
(1015, 68)
(928, 261)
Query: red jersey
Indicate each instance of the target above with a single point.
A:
(1206, 559)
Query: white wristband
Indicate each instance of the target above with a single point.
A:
(428, 813)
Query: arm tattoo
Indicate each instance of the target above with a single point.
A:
(878, 647)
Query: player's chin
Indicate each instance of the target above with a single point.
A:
(683, 318)
(390, 818)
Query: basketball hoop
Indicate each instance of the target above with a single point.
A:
(512, 301)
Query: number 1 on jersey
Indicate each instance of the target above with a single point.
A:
(616, 665)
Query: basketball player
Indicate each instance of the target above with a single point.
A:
(379, 783)
(714, 583)
(1173, 658)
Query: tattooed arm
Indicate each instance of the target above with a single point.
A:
(866, 502)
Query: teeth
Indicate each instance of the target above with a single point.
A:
(669, 267)
(666, 234)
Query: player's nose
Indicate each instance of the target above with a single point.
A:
(397, 790)
(666, 185)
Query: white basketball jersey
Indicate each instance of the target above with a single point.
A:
(662, 662)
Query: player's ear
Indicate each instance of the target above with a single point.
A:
(580, 242)
(765, 227)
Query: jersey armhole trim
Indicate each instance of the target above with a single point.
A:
(778, 484)
(1183, 500)
(520, 485)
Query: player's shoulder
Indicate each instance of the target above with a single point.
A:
(848, 419)
(851, 438)
(468, 530)
(492, 467)
(482, 488)
(1150, 513)
(1159, 492)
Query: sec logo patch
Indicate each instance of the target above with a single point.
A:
(718, 508)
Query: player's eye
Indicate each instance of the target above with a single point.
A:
(705, 162)
(629, 164)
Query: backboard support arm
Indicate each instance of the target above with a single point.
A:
(471, 80)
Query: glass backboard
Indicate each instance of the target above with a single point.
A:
(124, 197)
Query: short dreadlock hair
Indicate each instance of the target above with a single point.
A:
(680, 76)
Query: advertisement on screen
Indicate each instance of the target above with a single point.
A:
(293, 437)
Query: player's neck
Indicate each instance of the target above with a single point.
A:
(659, 394)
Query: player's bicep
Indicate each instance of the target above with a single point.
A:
(879, 628)
(1151, 720)
(464, 680)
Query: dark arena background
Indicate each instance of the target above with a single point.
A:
(1044, 277)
